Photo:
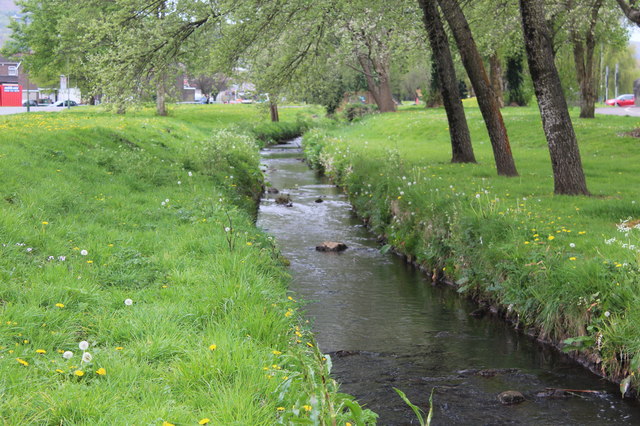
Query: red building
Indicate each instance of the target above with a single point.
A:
(10, 95)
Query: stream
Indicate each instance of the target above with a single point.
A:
(385, 325)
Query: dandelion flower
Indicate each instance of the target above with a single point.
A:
(86, 357)
(59, 371)
(307, 407)
(78, 373)
(128, 302)
(276, 352)
(101, 372)
(119, 348)
(84, 252)
(22, 361)
(213, 347)
(84, 345)
(205, 420)
(165, 423)
(572, 258)
(191, 174)
(41, 351)
(59, 305)
(67, 355)
(607, 314)
(572, 245)
(45, 223)
(280, 408)
(551, 237)
(179, 183)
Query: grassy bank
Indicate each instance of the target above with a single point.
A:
(135, 234)
(566, 267)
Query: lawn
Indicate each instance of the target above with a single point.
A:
(134, 286)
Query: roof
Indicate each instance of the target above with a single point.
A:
(4, 60)
(8, 79)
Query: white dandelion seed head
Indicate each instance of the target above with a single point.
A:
(477, 195)
(84, 252)
(29, 249)
(572, 245)
(190, 174)
(179, 183)
(86, 357)
(163, 203)
(607, 314)
(67, 355)
(166, 201)
(128, 302)
(84, 345)
(227, 229)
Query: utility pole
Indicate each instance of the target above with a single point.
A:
(606, 83)
(616, 79)
(28, 94)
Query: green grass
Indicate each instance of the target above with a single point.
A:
(558, 264)
(96, 209)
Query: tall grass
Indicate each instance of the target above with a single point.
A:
(135, 234)
(564, 266)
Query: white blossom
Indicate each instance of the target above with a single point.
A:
(84, 345)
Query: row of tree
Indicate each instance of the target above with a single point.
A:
(321, 48)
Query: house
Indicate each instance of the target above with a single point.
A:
(15, 83)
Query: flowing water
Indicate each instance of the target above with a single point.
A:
(387, 326)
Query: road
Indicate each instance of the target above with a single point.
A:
(631, 111)
(18, 110)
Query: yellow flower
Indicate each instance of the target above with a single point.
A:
(276, 352)
(551, 237)
(249, 243)
(101, 372)
(572, 258)
(25, 341)
(59, 305)
(89, 261)
(307, 407)
(167, 424)
(59, 371)
(526, 242)
(119, 348)
(79, 373)
(45, 223)
(348, 424)
(309, 344)
(280, 408)
(41, 351)
(204, 421)
(22, 361)
(213, 347)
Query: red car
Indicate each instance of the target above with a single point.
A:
(622, 100)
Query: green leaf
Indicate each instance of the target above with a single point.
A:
(385, 248)
(418, 412)
(624, 385)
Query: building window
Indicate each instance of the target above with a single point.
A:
(13, 70)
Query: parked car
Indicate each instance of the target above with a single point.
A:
(622, 100)
(64, 103)
(30, 103)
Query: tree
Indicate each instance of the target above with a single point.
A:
(568, 175)
(487, 100)
(462, 151)
(583, 41)
(631, 9)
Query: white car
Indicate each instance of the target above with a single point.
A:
(64, 103)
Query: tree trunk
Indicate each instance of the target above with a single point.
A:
(583, 52)
(380, 89)
(495, 73)
(273, 109)
(161, 108)
(461, 148)
(568, 175)
(487, 101)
